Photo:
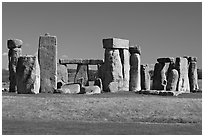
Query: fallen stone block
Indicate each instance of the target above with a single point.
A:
(115, 43)
(70, 88)
(14, 43)
(90, 90)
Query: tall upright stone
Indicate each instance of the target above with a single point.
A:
(145, 77)
(14, 46)
(28, 75)
(159, 78)
(135, 77)
(62, 74)
(193, 74)
(47, 54)
(172, 80)
(82, 73)
(116, 64)
(183, 81)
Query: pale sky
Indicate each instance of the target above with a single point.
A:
(161, 29)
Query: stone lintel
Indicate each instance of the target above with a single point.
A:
(115, 43)
(165, 60)
(81, 61)
(14, 43)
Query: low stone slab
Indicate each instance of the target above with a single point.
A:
(115, 43)
(159, 92)
(135, 49)
(90, 90)
(70, 88)
(81, 61)
(14, 43)
(166, 60)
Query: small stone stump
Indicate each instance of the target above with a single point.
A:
(47, 55)
(14, 46)
(28, 75)
(135, 77)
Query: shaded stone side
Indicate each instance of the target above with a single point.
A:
(135, 78)
(47, 55)
(193, 76)
(13, 56)
(145, 77)
(82, 75)
(159, 78)
(172, 80)
(28, 75)
(183, 81)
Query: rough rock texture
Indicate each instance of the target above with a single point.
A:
(28, 75)
(160, 92)
(70, 88)
(81, 61)
(13, 56)
(98, 82)
(159, 78)
(14, 43)
(62, 73)
(165, 60)
(172, 80)
(135, 77)
(115, 43)
(183, 81)
(82, 73)
(193, 76)
(135, 49)
(47, 55)
(125, 61)
(112, 70)
(90, 90)
(145, 77)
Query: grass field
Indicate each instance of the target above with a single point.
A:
(121, 110)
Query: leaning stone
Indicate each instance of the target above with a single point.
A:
(145, 77)
(165, 60)
(28, 75)
(13, 56)
(183, 81)
(98, 82)
(70, 88)
(115, 43)
(47, 54)
(193, 76)
(135, 77)
(112, 70)
(14, 43)
(135, 49)
(82, 72)
(91, 90)
(172, 80)
(159, 78)
(62, 73)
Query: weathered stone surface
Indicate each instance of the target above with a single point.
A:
(47, 54)
(98, 82)
(28, 75)
(172, 80)
(183, 81)
(193, 76)
(70, 88)
(115, 43)
(159, 78)
(14, 43)
(135, 77)
(82, 73)
(135, 49)
(62, 73)
(166, 60)
(112, 70)
(90, 90)
(13, 56)
(81, 61)
(145, 77)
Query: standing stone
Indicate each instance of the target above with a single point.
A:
(193, 75)
(172, 80)
(28, 75)
(113, 70)
(135, 77)
(159, 78)
(82, 73)
(62, 73)
(145, 77)
(183, 81)
(48, 63)
(13, 56)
